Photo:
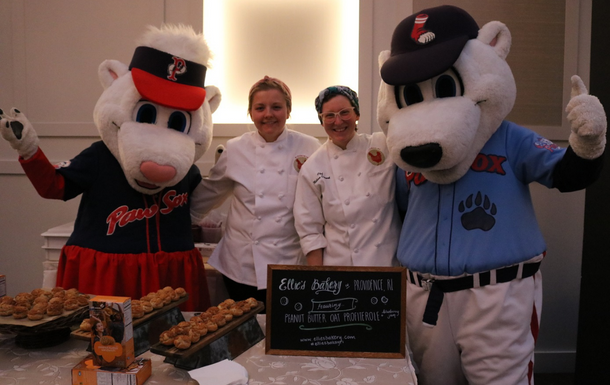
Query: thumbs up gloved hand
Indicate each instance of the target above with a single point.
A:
(588, 121)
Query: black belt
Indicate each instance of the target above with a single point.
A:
(437, 288)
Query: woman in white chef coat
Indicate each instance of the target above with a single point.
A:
(260, 169)
(344, 209)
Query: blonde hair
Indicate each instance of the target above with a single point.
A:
(269, 83)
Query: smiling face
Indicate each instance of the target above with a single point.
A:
(341, 129)
(269, 113)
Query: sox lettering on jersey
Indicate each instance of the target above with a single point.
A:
(122, 216)
(482, 163)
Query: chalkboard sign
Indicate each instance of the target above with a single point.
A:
(336, 311)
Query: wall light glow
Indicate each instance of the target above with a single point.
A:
(309, 44)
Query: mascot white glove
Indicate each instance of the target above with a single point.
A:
(17, 130)
(588, 121)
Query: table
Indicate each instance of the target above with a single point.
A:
(52, 366)
(270, 369)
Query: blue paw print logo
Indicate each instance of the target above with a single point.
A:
(478, 212)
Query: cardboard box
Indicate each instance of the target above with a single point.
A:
(112, 342)
(2, 285)
(87, 373)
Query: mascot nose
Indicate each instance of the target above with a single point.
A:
(157, 173)
(424, 156)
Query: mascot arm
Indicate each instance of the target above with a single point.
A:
(46, 180)
(18, 131)
(574, 173)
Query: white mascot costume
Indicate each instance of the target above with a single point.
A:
(470, 240)
(132, 235)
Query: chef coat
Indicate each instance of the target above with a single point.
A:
(345, 203)
(260, 225)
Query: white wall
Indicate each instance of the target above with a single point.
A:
(50, 53)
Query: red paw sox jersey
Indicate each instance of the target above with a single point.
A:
(112, 216)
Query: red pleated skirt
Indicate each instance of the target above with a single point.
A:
(134, 275)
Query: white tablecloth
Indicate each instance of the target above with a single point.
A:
(52, 366)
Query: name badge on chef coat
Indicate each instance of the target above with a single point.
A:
(375, 156)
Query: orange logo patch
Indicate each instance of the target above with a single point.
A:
(376, 156)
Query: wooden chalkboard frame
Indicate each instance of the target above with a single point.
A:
(277, 271)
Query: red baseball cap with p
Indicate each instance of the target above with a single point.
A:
(427, 43)
(167, 79)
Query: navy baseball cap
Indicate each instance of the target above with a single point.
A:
(427, 43)
(168, 79)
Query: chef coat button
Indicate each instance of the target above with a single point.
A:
(256, 242)
(280, 171)
(368, 194)
(356, 250)
(277, 219)
(261, 195)
(262, 170)
(346, 202)
(274, 243)
(336, 156)
(263, 145)
(280, 147)
(341, 178)
(375, 220)
(281, 195)
(377, 244)
(359, 173)
(259, 217)
(352, 225)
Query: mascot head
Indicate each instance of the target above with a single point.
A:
(445, 89)
(155, 115)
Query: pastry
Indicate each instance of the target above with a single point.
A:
(219, 320)
(20, 315)
(71, 304)
(6, 309)
(147, 306)
(24, 297)
(252, 302)
(211, 326)
(55, 309)
(86, 325)
(182, 342)
(35, 314)
(236, 311)
(227, 314)
(137, 311)
(166, 338)
(107, 340)
(180, 291)
(156, 302)
(194, 335)
(82, 300)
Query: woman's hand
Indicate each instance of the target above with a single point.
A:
(315, 257)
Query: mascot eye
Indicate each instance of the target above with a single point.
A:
(179, 121)
(445, 87)
(448, 84)
(146, 113)
(408, 95)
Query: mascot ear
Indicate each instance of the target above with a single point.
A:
(386, 105)
(213, 96)
(110, 70)
(498, 36)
